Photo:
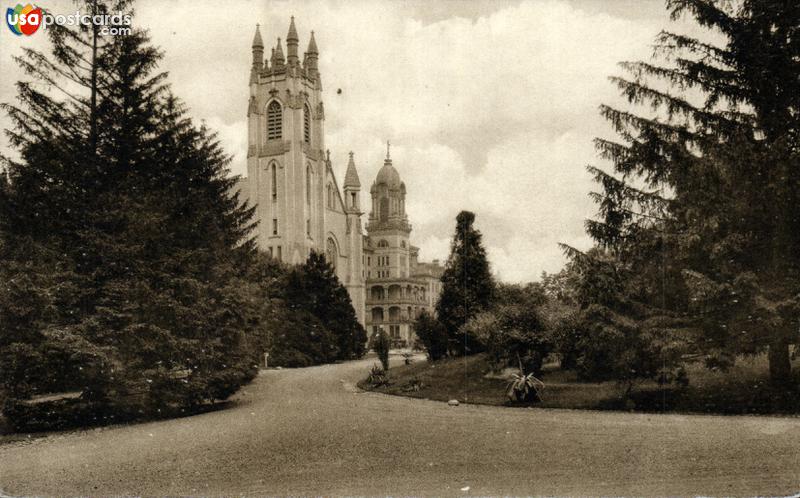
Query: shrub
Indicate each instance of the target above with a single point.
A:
(377, 377)
(381, 345)
(512, 333)
(432, 335)
(613, 347)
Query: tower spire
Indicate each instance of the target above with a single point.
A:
(277, 56)
(312, 45)
(291, 44)
(352, 186)
(312, 55)
(388, 155)
(257, 42)
(351, 179)
(258, 55)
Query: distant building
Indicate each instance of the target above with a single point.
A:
(300, 206)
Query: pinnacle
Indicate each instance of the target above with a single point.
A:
(312, 45)
(292, 36)
(257, 42)
(351, 176)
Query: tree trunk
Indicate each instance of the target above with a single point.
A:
(780, 365)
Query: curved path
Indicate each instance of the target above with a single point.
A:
(310, 432)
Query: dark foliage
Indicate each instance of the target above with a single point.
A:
(513, 331)
(700, 220)
(467, 285)
(304, 314)
(119, 238)
(381, 345)
(432, 335)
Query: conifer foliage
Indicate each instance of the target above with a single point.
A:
(313, 288)
(120, 240)
(700, 220)
(467, 285)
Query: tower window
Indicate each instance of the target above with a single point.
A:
(274, 226)
(308, 185)
(274, 120)
(274, 178)
(306, 124)
(384, 212)
(308, 227)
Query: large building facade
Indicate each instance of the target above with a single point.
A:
(300, 205)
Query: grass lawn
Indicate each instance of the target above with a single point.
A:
(743, 389)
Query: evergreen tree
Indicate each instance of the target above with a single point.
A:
(123, 210)
(467, 285)
(700, 217)
(314, 287)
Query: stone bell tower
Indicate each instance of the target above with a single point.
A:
(285, 159)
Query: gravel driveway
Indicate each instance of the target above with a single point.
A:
(309, 432)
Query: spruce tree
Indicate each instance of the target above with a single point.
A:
(139, 242)
(700, 216)
(467, 285)
(314, 287)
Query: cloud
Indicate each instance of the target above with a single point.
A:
(491, 107)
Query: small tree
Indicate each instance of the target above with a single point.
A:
(467, 285)
(432, 335)
(380, 343)
(512, 331)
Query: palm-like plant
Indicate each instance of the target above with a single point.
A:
(524, 387)
(377, 377)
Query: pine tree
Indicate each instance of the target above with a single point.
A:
(700, 215)
(138, 238)
(467, 284)
(315, 288)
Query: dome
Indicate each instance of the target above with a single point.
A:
(388, 175)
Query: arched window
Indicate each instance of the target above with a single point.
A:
(383, 243)
(274, 121)
(308, 185)
(384, 209)
(306, 124)
(331, 254)
(274, 180)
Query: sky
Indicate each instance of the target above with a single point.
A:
(490, 106)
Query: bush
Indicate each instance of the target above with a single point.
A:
(512, 334)
(381, 345)
(613, 347)
(432, 335)
(55, 415)
(377, 377)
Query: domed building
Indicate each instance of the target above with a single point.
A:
(299, 206)
(398, 286)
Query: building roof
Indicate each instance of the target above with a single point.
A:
(388, 175)
(351, 176)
